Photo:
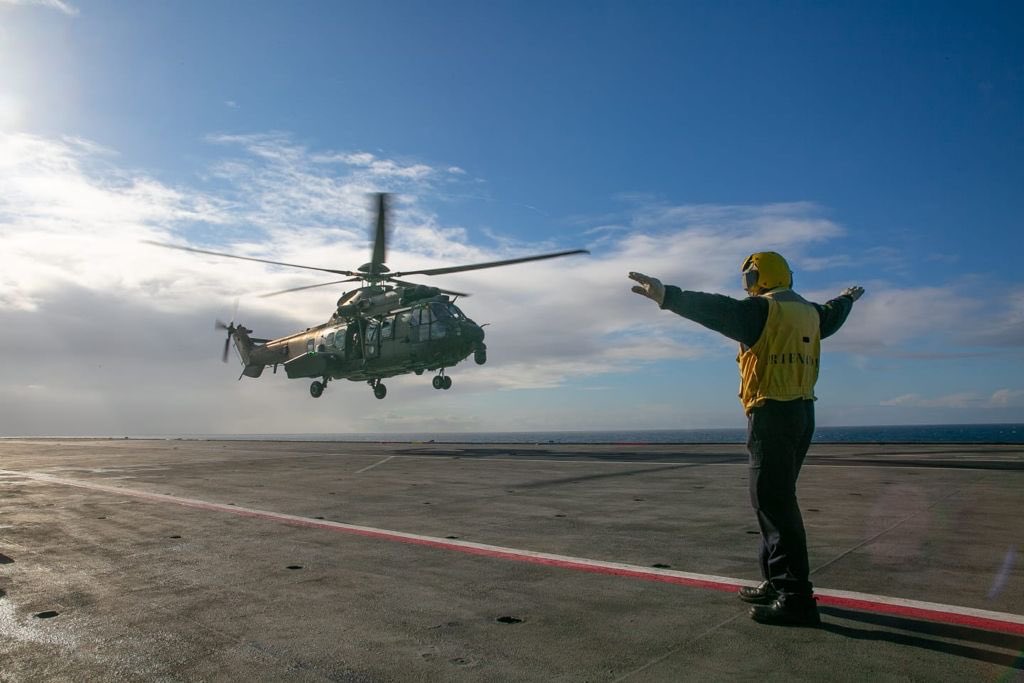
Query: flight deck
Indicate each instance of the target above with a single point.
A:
(185, 560)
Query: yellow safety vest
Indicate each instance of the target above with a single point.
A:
(783, 364)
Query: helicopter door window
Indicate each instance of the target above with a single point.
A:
(353, 347)
(387, 329)
(403, 322)
(310, 345)
(330, 340)
(372, 338)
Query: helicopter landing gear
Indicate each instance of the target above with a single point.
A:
(316, 388)
(379, 390)
(441, 381)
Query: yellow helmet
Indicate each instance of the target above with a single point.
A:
(765, 271)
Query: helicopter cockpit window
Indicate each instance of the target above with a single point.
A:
(421, 327)
(439, 316)
(421, 316)
(445, 310)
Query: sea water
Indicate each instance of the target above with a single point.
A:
(969, 433)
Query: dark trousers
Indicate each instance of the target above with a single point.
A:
(778, 436)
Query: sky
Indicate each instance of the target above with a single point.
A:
(876, 143)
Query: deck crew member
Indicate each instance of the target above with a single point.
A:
(779, 334)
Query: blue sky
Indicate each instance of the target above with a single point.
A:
(879, 144)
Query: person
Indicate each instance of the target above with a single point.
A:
(779, 333)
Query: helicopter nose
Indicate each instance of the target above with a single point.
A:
(472, 332)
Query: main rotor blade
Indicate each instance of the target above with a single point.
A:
(298, 289)
(224, 356)
(492, 264)
(379, 254)
(247, 258)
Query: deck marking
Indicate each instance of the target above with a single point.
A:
(379, 462)
(872, 539)
(913, 609)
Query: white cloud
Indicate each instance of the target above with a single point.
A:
(956, 319)
(67, 216)
(886, 317)
(958, 400)
(1003, 328)
(1005, 398)
(59, 5)
(378, 168)
(1002, 398)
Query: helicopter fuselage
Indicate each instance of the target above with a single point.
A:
(431, 334)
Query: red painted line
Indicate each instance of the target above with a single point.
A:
(913, 612)
(949, 614)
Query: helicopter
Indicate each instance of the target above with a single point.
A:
(383, 328)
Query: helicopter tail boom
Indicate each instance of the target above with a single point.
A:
(245, 345)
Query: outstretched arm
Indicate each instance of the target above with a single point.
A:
(833, 314)
(739, 319)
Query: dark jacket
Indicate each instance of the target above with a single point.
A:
(743, 319)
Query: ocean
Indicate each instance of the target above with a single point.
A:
(970, 433)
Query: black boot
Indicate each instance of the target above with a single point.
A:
(788, 610)
(762, 594)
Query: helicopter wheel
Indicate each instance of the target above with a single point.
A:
(437, 382)
(379, 390)
(315, 389)
(480, 355)
(446, 382)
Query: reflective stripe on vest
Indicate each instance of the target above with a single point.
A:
(783, 364)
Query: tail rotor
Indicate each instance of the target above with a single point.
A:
(230, 327)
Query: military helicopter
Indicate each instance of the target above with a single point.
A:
(385, 327)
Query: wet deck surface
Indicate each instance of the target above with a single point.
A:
(188, 560)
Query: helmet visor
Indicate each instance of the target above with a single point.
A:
(750, 279)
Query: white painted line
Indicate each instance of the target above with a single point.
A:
(370, 467)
